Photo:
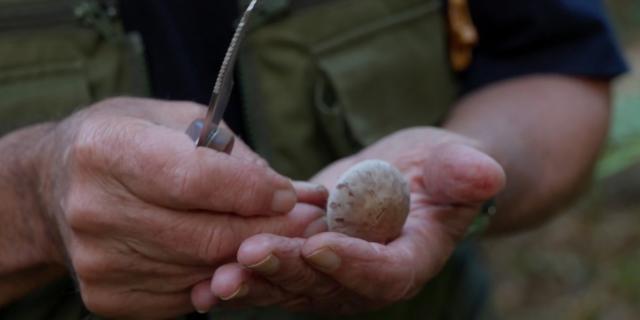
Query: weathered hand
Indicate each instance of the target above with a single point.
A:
(142, 215)
(450, 178)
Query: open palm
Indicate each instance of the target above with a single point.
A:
(330, 272)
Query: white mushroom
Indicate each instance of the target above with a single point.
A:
(370, 201)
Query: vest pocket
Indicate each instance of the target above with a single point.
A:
(42, 76)
(50, 65)
(384, 75)
(324, 79)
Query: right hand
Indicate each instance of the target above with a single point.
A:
(142, 216)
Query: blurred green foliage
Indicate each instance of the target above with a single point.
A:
(624, 143)
(626, 18)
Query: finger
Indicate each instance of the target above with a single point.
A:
(135, 304)
(235, 285)
(160, 165)
(201, 238)
(459, 174)
(311, 193)
(209, 180)
(377, 272)
(107, 264)
(202, 297)
(317, 226)
(279, 260)
(301, 221)
(230, 281)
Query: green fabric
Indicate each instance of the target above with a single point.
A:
(623, 146)
(321, 79)
(50, 66)
(327, 79)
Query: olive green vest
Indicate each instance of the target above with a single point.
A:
(321, 79)
(59, 55)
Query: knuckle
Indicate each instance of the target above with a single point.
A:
(216, 244)
(102, 141)
(180, 183)
(89, 267)
(255, 196)
(187, 185)
(97, 301)
(302, 280)
(85, 147)
(86, 209)
(78, 209)
(119, 102)
(330, 290)
(93, 145)
(273, 227)
(313, 215)
(185, 179)
(264, 242)
(191, 106)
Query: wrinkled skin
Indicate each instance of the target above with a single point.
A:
(450, 178)
(142, 215)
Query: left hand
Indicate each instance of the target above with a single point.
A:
(450, 178)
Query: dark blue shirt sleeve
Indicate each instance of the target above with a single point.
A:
(571, 37)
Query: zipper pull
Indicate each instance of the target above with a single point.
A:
(101, 15)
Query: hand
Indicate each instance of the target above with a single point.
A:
(450, 178)
(142, 215)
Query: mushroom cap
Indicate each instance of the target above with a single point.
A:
(370, 202)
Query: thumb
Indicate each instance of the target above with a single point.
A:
(375, 271)
(460, 174)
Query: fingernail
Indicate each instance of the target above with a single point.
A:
(309, 186)
(201, 311)
(315, 227)
(283, 200)
(325, 259)
(267, 266)
(242, 291)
